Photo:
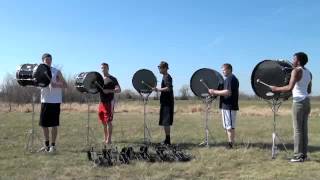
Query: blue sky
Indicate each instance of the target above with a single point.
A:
(135, 34)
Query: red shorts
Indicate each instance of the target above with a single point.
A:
(105, 112)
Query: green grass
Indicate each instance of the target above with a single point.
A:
(250, 160)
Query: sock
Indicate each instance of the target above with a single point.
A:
(230, 144)
(167, 138)
(47, 145)
(53, 144)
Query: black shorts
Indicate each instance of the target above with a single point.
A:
(49, 115)
(166, 115)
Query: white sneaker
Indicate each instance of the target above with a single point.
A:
(52, 149)
(44, 149)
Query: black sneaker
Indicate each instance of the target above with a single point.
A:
(229, 145)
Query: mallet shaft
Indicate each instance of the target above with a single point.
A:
(146, 84)
(204, 84)
(261, 82)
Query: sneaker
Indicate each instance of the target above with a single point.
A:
(297, 159)
(165, 143)
(229, 146)
(52, 149)
(44, 149)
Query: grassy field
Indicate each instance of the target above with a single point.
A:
(251, 159)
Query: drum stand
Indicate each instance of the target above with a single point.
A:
(275, 105)
(32, 135)
(146, 132)
(208, 102)
(89, 134)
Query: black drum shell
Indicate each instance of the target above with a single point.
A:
(272, 72)
(85, 82)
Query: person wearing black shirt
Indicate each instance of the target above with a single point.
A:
(166, 101)
(106, 105)
(228, 102)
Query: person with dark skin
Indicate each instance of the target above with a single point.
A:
(300, 84)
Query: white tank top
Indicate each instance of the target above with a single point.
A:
(50, 94)
(300, 89)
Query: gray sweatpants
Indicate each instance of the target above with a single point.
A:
(300, 113)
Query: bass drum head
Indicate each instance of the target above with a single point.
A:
(85, 82)
(210, 77)
(272, 72)
(24, 75)
(143, 80)
(42, 75)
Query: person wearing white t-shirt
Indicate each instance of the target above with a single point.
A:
(51, 98)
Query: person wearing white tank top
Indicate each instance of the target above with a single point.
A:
(300, 84)
(51, 98)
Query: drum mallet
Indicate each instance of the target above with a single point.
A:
(261, 82)
(97, 84)
(147, 84)
(47, 75)
(204, 84)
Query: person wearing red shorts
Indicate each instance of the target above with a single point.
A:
(106, 105)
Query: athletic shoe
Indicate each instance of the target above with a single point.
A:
(297, 159)
(52, 149)
(44, 149)
(165, 143)
(229, 145)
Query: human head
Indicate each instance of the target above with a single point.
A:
(226, 69)
(163, 67)
(105, 68)
(300, 59)
(47, 59)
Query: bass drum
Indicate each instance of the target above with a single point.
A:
(34, 75)
(274, 73)
(143, 81)
(203, 79)
(86, 82)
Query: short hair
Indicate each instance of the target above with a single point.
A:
(164, 64)
(228, 66)
(46, 55)
(302, 58)
(105, 64)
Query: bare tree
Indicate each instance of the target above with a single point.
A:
(184, 92)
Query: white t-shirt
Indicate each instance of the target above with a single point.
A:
(50, 94)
